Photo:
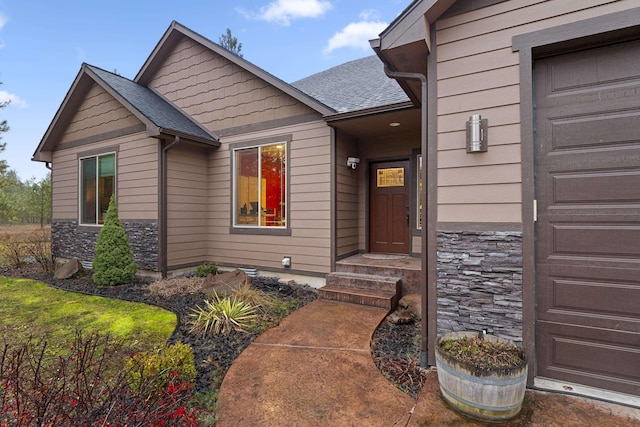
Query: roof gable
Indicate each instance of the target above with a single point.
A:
(158, 115)
(174, 34)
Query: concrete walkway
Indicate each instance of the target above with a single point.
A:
(316, 369)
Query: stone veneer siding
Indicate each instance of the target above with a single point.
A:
(480, 282)
(69, 241)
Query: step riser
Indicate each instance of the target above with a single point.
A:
(372, 270)
(363, 283)
(386, 303)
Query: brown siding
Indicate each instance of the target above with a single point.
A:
(99, 113)
(137, 179)
(187, 196)
(347, 203)
(478, 74)
(218, 93)
(309, 244)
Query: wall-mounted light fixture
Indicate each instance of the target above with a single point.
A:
(352, 162)
(477, 134)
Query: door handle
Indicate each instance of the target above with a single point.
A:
(408, 224)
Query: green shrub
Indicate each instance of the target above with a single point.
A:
(113, 264)
(206, 269)
(161, 364)
(222, 315)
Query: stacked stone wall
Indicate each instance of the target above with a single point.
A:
(480, 282)
(70, 241)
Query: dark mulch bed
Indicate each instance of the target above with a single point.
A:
(396, 353)
(395, 348)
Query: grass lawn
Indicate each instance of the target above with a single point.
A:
(33, 309)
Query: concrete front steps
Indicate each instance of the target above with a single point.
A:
(361, 288)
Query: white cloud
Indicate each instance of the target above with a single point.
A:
(3, 20)
(356, 35)
(282, 12)
(13, 99)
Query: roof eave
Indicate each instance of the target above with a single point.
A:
(369, 111)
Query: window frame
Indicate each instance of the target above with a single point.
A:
(235, 228)
(95, 155)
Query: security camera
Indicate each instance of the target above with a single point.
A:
(352, 162)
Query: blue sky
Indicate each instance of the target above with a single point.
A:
(43, 43)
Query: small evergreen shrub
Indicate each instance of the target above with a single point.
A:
(206, 269)
(113, 264)
(175, 362)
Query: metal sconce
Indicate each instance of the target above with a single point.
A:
(477, 134)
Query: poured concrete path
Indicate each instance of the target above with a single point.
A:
(316, 369)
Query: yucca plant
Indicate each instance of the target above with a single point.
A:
(222, 315)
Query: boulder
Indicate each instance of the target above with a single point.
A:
(68, 270)
(225, 283)
(412, 302)
(401, 316)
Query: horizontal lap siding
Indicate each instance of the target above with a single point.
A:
(479, 74)
(218, 93)
(187, 214)
(99, 113)
(346, 198)
(137, 198)
(309, 202)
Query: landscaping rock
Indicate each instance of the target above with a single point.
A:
(401, 316)
(225, 283)
(412, 302)
(68, 270)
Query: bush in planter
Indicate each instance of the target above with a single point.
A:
(482, 376)
(113, 264)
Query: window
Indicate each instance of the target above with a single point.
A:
(419, 198)
(97, 185)
(260, 183)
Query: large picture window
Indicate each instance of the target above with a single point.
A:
(260, 183)
(97, 185)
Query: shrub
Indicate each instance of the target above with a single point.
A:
(113, 264)
(14, 251)
(222, 315)
(254, 297)
(39, 247)
(203, 270)
(173, 362)
(86, 387)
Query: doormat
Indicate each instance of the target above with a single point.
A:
(384, 256)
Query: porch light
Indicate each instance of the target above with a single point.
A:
(477, 134)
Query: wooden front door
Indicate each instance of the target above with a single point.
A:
(588, 229)
(389, 207)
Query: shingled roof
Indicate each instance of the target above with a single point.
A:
(152, 106)
(356, 85)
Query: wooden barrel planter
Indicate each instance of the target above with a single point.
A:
(487, 394)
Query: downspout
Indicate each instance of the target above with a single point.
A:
(424, 292)
(163, 206)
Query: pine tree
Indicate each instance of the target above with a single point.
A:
(113, 264)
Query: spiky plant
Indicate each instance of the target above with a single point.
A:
(221, 315)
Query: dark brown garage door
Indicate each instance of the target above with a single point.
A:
(588, 229)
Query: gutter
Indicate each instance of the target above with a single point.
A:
(424, 291)
(163, 206)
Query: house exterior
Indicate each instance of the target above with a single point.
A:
(212, 159)
(538, 236)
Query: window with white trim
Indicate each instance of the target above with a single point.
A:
(260, 186)
(97, 185)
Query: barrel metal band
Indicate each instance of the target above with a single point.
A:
(454, 397)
